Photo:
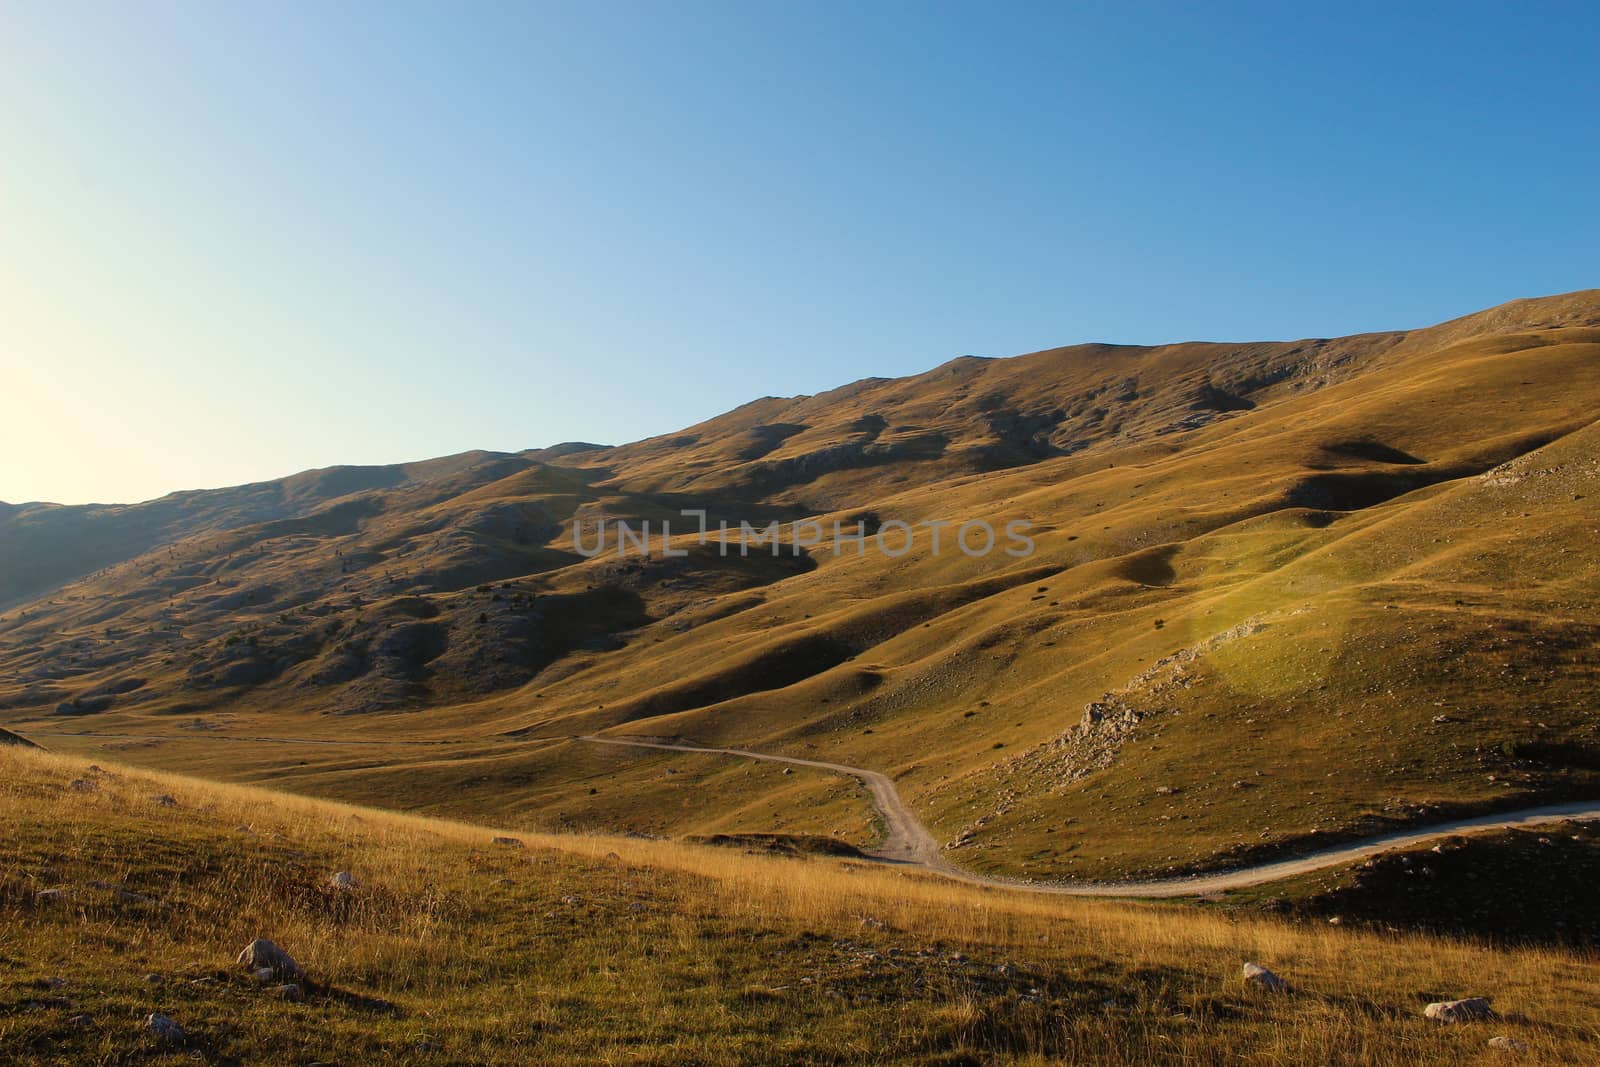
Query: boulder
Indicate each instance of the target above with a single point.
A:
(343, 880)
(1506, 1043)
(289, 991)
(1257, 975)
(1467, 1010)
(263, 955)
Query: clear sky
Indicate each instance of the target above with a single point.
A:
(240, 240)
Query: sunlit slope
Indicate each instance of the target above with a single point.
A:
(124, 894)
(1240, 620)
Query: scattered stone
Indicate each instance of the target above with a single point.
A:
(1467, 1010)
(344, 880)
(1006, 970)
(263, 975)
(133, 898)
(510, 842)
(154, 979)
(80, 1022)
(263, 955)
(50, 896)
(164, 1029)
(83, 785)
(165, 800)
(1336, 920)
(289, 991)
(1507, 1043)
(1256, 974)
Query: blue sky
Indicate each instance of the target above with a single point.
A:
(239, 241)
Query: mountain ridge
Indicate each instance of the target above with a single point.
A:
(1177, 495)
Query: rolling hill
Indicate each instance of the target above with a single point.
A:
(1279, 594)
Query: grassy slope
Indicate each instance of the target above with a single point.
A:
(589, 949)
(1330, 569)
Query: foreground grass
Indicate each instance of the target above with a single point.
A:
(454, 950)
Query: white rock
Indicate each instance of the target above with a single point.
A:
(1459, 1011)
(344, 880)
(1506, 1043)
(1256, 974)
(263, 955)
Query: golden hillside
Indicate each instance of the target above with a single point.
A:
(126, 895)
(1280, 594)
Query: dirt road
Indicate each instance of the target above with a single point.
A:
(907, 841)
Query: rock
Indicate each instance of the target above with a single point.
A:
(263, 975)
(1255, 974)
(343, 880)
(51, 896)
(289, 991)
(154, 979)
(80, 1022)
(83, 785)
(164, 1029)
(1467, 1010)
(263, 955)
(165, 801)
(132, 898)
(1506, 1043)
(509, 842)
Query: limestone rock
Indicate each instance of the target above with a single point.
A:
(263, 955)
(1467, 1010)
(1258, 975)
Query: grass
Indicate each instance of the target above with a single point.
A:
(1398, 537)
(593, 949)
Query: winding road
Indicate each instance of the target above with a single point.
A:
(907, 841)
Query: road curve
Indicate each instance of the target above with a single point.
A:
(907, 841)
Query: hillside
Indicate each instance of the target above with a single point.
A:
(1280, 594)
(125, 895)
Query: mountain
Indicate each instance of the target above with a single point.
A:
(1277, 593)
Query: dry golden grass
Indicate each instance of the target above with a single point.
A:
(1353, 514)
(591, 949)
